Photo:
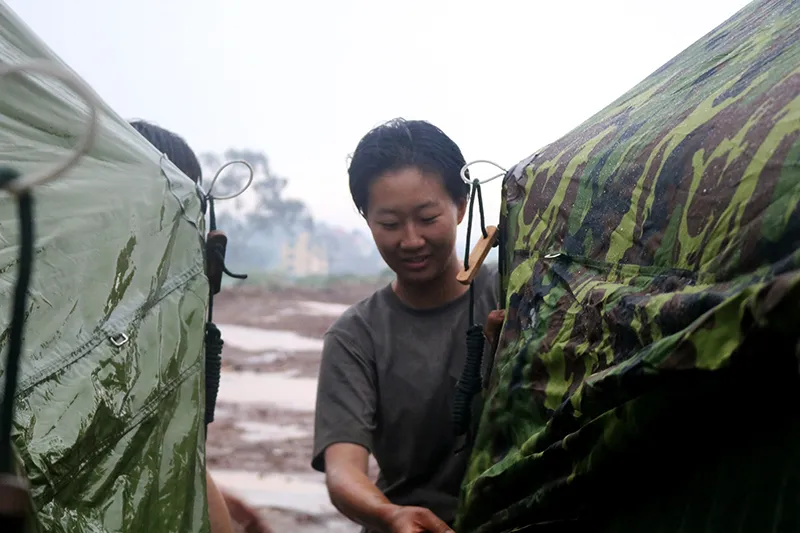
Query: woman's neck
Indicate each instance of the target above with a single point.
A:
(440, 290)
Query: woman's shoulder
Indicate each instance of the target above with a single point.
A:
(354, 329)
(357, 317)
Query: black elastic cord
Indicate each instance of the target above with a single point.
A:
(470, 382)
(15, 340)
(214, 346)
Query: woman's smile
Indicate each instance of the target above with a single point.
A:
(417, 263)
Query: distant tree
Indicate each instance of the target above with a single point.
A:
(261, 220)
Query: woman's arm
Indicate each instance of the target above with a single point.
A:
(355, 496)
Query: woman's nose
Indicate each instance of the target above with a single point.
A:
(412, 239)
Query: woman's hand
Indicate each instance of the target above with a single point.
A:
(406, 519)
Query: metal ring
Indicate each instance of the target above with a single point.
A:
(223, 167)
(487, 180)
(24, 183)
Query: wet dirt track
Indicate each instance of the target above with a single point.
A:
(259, 446)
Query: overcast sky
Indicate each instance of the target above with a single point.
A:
(303, 80)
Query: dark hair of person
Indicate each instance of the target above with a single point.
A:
(173, 146)
(399, 144)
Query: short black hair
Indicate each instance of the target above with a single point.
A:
(173, 146)
(401, 143)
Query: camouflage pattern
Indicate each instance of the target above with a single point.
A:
(647, 371)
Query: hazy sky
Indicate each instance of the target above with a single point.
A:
(303, 80)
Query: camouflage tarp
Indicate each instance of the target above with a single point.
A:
(109, 422)
(647, 376)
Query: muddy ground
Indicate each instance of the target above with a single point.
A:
(282, 441)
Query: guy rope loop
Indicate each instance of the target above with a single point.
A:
(470, 382)
(216, 246)
(82, 147)
(14, 492)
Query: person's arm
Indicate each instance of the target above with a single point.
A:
(355, 496)
(218, 515)
(344, 422)
(351, 490)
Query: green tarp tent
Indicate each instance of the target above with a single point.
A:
(109, 422)
(647, 375)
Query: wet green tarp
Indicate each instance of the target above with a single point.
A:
(110, 436)
(647, 376)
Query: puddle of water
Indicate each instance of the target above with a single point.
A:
(323, 308)
(265, 432)
(309, 308)
(304, 494)
(260, 340)
(265, 358)
(279, 389)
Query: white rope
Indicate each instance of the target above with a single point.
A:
(487, 180)
(209, 194)
(85, 143)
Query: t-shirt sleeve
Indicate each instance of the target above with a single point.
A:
(346, 396)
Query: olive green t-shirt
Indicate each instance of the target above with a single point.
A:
(387, 382)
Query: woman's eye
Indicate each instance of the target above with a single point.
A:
(430, 220)
(388, 225)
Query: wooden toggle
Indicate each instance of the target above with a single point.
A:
(216, 245)
(478, 255)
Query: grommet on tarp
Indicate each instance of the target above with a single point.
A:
(119, 340)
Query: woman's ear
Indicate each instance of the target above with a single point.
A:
(461, 206)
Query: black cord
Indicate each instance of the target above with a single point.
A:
(480, 208)
(25, 208)
(470, 382)
(213, 340)
(214, 346)
(476, 191)
(213, 337)
(469, 225)
(212, 215)
(212, 226)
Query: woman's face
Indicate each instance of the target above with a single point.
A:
(413, 221)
